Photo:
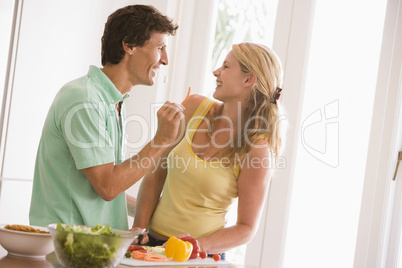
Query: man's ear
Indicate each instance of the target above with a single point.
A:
(250, 80)
(128, 48)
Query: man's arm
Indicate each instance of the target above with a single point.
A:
(110, 180)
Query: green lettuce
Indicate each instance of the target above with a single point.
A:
(88, 247)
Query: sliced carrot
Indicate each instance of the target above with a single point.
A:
(188, 95)
(156, 258)
(136, 254)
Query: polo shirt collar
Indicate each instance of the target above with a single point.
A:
(107, 89)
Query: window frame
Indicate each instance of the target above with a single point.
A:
(376, 244)
(376, 241)
(292, 37)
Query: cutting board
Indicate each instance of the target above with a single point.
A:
(193, 262)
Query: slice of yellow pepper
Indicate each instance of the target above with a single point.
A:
(178, 249)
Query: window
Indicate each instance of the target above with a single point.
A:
(6, 20)
(240, 21)
(335, 129)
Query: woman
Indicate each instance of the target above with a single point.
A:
(228, 151)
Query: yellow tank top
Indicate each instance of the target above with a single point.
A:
(197, 194)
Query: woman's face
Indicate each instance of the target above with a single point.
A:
(230, 80)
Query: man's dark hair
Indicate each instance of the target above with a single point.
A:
(134, 24)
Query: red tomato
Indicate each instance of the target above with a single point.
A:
(136, 248)
(217, 257)
(203, 254)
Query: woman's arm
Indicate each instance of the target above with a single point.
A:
(153, 182)
(149, 193)
(131, 201)
(253, 183)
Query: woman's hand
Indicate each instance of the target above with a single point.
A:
(142, 238)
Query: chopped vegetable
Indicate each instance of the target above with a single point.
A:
(196, 248)
(137, 248)
(139, 255)
(89, 250)
(136, 254)
(188, 95)
(99, 229)
(156, 249)
(178, 249)
(156, 258)
(217, 257)
(203, 254)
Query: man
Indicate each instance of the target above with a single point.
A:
(80, 176)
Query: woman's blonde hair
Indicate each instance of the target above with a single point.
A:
(262, 117)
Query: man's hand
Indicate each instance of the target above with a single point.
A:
(169, 117)
(110, 180)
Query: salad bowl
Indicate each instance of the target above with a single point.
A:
(90, 246)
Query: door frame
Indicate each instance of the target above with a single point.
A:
(376, 239)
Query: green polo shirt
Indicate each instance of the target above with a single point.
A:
(81, 130)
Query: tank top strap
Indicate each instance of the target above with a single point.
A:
(198, 117)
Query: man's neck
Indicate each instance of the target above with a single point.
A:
(119, 77)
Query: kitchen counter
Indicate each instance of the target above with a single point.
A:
(51, 262)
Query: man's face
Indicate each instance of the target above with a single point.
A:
(146, 60)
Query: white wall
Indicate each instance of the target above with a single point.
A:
(56, 42)
(187, 66)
